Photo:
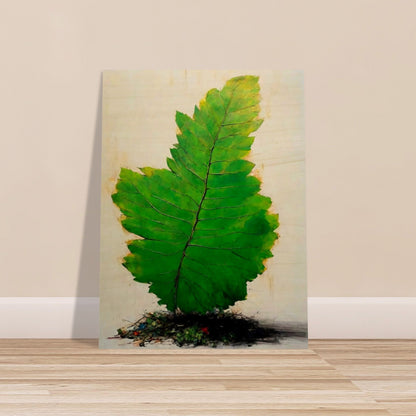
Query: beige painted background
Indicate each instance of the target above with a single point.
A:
(359, 61)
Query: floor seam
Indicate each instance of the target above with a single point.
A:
(368, 394)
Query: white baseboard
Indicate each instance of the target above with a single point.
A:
(341, 317)
(53, 317)
(362, 318)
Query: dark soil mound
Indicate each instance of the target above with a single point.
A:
(211, 329)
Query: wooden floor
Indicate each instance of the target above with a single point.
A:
(73, 377)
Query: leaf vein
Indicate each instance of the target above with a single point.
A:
(157, 210)
(202, 200)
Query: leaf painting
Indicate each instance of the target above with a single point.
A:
(204, 228)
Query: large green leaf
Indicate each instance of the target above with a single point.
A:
(206, 231)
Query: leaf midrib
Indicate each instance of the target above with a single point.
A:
(200, 204)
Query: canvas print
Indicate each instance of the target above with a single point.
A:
(203, 233)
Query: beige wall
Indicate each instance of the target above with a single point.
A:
(359, 60)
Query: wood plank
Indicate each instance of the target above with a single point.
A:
(16, 372)
(138, 359)
(128, 409)
(214, 384)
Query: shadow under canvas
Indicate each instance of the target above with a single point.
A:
(86, 314)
